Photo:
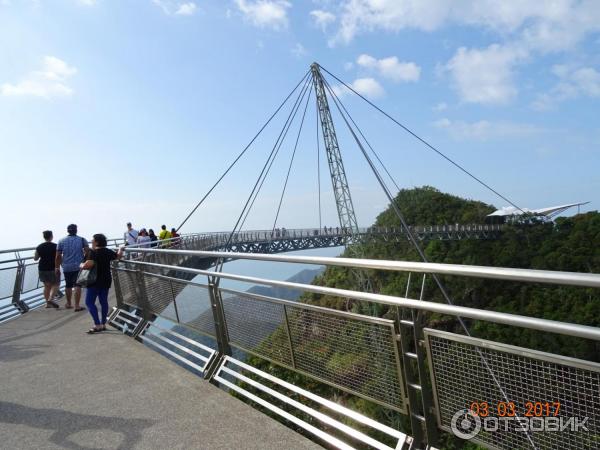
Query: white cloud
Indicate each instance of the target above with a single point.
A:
(369, 87)
(265, 13)
(484, 130)
(485, 76)
(299, 51)
(322, 18)
(49, 82)
(87, 2)
(178, 8)
(391, 68)
(559, 23)
(442, 106)
(186, 9)
(524, 29)
(572, 83)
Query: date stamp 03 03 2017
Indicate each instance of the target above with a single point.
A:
(532, 416)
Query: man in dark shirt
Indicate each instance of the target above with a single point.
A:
(46, 254)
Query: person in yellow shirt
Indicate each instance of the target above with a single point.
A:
(164, 234)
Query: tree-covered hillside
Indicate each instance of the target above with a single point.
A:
(568, 244)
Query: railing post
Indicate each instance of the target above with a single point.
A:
(117, 284)
(19, 276)
(174, 302)
(420, 398)
(142, 295)
(289, 335)
(216, 303)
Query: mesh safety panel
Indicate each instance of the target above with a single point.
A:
(127, 283)
(357, 355)
(193, 304)
(31, 279)
(7, 281)
(351, 352)
(158, 292)
(257, 326)
(526, 376)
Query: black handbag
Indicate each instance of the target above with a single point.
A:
(85, 277)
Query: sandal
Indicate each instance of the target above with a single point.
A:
(79, 309)
(94, 330)
(68, 306)
(51, 304)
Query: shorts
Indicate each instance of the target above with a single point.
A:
(70, 279)
(47, 276)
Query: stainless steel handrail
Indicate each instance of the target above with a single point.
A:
(28, 249)
(568, 329)
(499, 273)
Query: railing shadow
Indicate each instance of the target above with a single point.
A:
(64, 424)
(10, 353)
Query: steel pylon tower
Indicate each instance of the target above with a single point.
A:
(343, 200)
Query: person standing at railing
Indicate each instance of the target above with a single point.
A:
(175, 236)
(46, 254)
(153, 238)
(71, 251)
(164, 234)
(100, 257)
(131, 235)
(143, 240)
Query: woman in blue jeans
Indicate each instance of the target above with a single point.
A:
(100, 257)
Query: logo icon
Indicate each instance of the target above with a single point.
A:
(465, 424)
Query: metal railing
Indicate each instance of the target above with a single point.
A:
(20, 287)
(370, 357)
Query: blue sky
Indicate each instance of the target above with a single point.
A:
(113, 111)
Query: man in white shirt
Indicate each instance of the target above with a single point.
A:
(130, 235)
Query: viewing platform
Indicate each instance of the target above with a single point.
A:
(62, 388)
(190, 362)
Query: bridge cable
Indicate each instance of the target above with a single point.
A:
(427, 144)
(415, 243)
(269, 162)
(292, 160)
(278, 144)
(370, 147)
(243, 151)
(264, 178)
(219, 265)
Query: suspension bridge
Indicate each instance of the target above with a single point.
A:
(446, 384)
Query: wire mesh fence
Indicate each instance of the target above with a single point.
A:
(355, 353)
(537, 385)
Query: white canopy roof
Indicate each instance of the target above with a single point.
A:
(549, 211)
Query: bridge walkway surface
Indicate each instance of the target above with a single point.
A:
(62, 388)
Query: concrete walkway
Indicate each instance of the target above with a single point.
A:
(62, 388)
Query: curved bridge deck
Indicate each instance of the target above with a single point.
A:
(280, 241)
(62, 388)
